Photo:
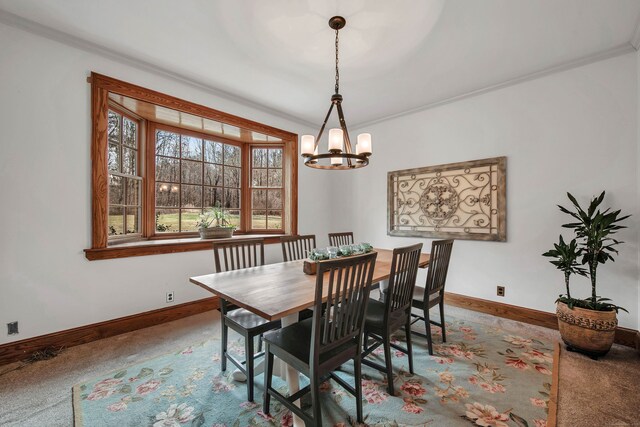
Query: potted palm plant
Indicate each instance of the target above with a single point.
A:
(214, 224)
(587, 325)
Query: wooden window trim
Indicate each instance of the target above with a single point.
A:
(250, 187)
(101, 86)
(140, 129)
(151, 162)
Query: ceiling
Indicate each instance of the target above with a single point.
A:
(395, 56)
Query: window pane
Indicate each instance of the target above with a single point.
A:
(212, 197)
(129, 133)
(259, 178)
(234, 218)
(191, 147)
(167, 169)
(113, 127)
(116, 190)
(133, 215)
(113, 158)
(212, 174)
(116, 220)
(259, 157)
(212, 152)
(167, 194)
(275, 178)
(231, 155)
(275, 157)
(259, 199)
(189, 218)
(191, 196)
(129, 165)
(231, 198)
(133, 192)
(274, 220)
(167, 144)
(232, 177)
(258, 220)
(167, 220)
(274, 199)
(191, 172)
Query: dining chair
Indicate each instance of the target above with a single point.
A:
(316, 347)
(234, 255)
(385, 318)
(297, 247)
(339, 239)
(433, 292)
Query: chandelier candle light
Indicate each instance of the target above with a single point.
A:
(340, 155)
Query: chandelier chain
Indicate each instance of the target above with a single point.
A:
(337, 72)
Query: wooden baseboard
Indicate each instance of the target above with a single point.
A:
(20, 350)
(624, 336)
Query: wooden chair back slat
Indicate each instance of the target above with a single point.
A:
(231, 255)
(438, 266)
(297, 247)
(348, 283)
(402, 281)
(339, 239)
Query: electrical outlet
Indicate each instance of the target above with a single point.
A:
(500, 291)
(12, 328)
(170, 296)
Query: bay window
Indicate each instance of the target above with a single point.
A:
(159, 162)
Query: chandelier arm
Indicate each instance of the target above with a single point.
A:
(323, 126)
(343, 125)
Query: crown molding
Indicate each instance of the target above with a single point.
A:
(38, 29)
(27, 25)
(567, 65)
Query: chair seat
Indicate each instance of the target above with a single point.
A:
(295, 339)
(374, 319)
(418, 297)
(249, 321)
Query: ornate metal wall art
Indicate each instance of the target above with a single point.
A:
(465, 200)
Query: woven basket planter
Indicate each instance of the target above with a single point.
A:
(216, 232)
(588, 331)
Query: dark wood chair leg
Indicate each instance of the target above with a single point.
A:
(389, 365)
(315, 400)
(268, 370)
(357, 368)
(407, 332)
(444, 334)
(366, 341)
(223, 342)
(260, 343)
(248, 354)
(427, 324)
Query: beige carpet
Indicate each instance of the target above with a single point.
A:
(604, 392)
(39, 394)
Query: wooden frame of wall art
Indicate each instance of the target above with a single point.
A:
(465, 200)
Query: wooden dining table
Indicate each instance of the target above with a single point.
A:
(281, 291)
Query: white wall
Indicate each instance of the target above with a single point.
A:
(46, 283)
(572, 131)
(638, 161)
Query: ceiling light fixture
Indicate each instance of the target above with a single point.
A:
(340, 154)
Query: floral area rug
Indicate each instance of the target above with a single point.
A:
(481, 376)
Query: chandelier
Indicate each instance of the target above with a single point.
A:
(340, 153)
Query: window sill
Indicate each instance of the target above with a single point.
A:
(165, 246)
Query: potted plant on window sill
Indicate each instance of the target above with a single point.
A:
(214, 224)
(587, 325)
